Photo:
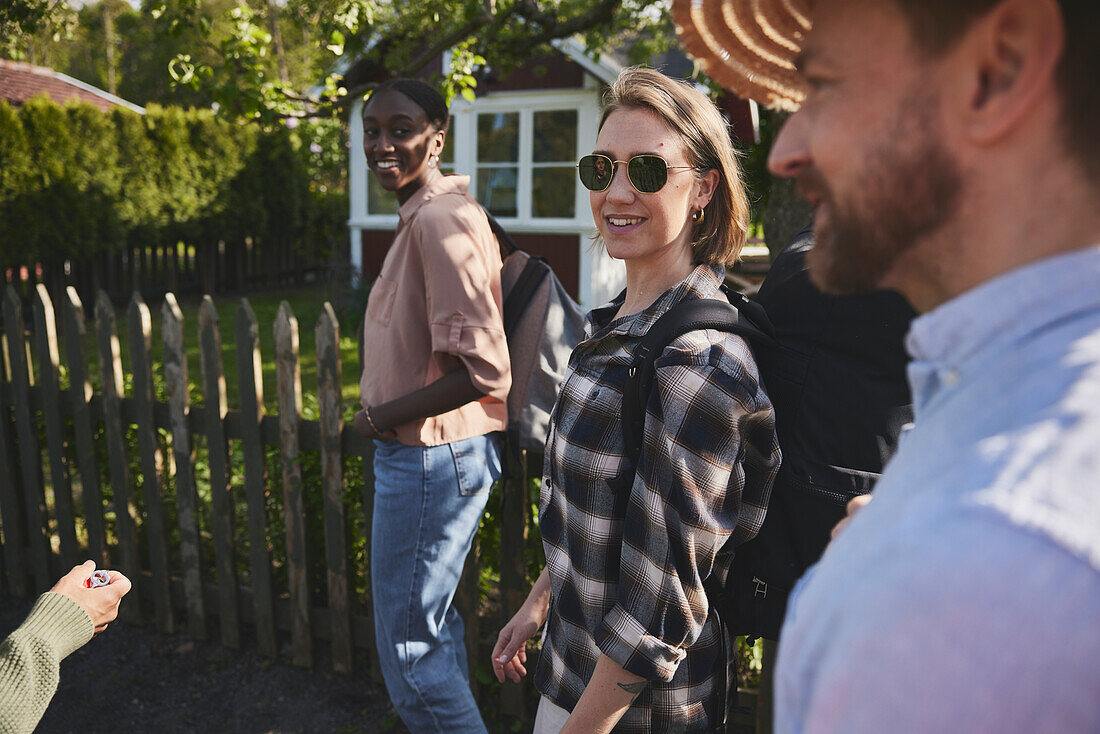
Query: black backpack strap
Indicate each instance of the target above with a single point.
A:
(515, 303)
(528, 281)
(503, 237)
(746, 319)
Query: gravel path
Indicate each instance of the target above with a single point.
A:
(134, 679)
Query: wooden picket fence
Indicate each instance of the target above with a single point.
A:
(207, 267)
(54, 511)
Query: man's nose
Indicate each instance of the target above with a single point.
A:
(790, 152)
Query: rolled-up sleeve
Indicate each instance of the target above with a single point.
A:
(706, 419)
(463, 293)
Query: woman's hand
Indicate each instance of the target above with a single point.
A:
(101, 603)
(364, 423)
(510, 652)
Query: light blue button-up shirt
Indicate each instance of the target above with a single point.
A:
(966, 596)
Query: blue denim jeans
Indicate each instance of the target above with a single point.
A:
(428, 501)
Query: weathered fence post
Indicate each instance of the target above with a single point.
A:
(513, 572)
(332, 477)
(368, 522)
(289, 381)
(213, 381)
(179, 407)
(30, 456)
(110, 370)
(152, 460)
(45, 328)
(15, 561)
(80, 395)
(250, 378)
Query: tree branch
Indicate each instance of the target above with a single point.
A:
(480, 20)
(601, 12)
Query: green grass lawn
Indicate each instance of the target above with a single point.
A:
(306, 304)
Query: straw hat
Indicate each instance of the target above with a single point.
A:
(747, 46)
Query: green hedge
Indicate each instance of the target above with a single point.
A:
(75, 181)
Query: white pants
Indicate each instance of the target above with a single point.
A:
(550, 717)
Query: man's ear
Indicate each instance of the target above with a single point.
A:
(1011, 54)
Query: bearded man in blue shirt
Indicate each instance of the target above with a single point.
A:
(951, 152)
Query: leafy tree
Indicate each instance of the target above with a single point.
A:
(393, 39)
(162, 32)
(95, 49)
(26, 25)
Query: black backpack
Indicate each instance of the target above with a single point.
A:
(743, 601)
(834, 368)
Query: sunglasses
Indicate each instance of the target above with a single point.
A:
(647, 173)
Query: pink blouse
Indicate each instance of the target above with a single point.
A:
(435, 307)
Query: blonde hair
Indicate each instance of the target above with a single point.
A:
(692, 117)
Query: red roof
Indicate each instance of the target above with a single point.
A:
(19, 82)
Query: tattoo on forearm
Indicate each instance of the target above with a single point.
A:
(633, 688)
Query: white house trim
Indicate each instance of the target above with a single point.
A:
(98, 92)
(604, 70)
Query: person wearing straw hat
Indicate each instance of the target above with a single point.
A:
(950, 152)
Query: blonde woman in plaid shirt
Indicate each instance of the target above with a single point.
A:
(631, 643)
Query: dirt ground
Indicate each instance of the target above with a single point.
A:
(134, 679)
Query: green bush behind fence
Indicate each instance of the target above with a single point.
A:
(75, 181)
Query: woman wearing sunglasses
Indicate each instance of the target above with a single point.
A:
(630, 641)
(434, 385)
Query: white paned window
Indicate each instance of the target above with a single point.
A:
(498, 162)
(553, 175)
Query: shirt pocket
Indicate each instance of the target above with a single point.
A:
(380, 304)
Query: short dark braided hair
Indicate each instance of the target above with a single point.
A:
(423, 94)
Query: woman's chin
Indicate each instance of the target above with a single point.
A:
(619, 251)
(389, 183)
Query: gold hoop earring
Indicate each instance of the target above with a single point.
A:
(699, 215)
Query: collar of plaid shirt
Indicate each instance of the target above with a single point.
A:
(704, 281)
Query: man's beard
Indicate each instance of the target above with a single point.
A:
(908, 188)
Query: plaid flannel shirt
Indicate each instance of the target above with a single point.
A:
(627, 569)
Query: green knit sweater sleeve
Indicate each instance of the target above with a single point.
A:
(31, 656)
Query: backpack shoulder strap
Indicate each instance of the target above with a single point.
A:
(746, 319)
(503, 237)
(521, 292)
(529, 280)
